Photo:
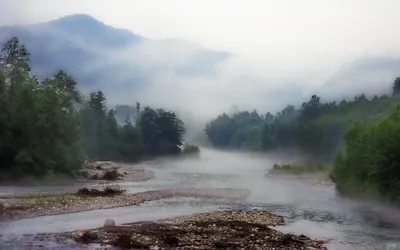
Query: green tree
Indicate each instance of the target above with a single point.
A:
(40, 132)
(396, 86)
(14, 59)
(48, 128)
(369, 162)
(162, 131)
(220, 131)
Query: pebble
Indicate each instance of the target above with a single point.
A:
(32, 206)
(232, 230)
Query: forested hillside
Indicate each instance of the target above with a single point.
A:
(315, 129)
(360, 138)
(49, 128)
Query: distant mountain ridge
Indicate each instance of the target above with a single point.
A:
(101, 56)
(368, 75)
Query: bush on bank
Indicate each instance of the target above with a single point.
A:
(370, 161)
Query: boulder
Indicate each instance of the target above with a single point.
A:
(109, 223)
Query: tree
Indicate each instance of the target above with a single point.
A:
(162, 131)
(310, 109)
(47, 128)
(396, 86)
(236, 131)
(220, 130)
(315, 130)
(269, 118)
(40, 132)
(14, 59)
(369, 162)
(130, 143)
(65, 88)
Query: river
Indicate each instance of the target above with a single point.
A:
(308, 207)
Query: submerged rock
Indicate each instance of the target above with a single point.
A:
(109, 223)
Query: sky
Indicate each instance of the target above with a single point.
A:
(288, 28)
(304, 41)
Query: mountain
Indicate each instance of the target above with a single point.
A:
(368, 75)
(101, 56)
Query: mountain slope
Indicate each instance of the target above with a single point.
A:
(101, 56)
(368, 75)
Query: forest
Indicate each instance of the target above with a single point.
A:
(314, 130)
(358, 137)
(48, 128)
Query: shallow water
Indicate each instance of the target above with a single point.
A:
(309, 209)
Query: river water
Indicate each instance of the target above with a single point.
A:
(309, 207)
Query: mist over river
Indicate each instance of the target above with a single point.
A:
(309, 207)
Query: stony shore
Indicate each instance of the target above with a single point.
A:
(96, 170)
(215, 230)
(12, 208)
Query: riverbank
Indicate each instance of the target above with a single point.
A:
(316, 173)
(12, 208)
(111, 171)
(92, 172)
(213, 230)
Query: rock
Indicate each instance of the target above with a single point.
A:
(171, 240)
(232, 230)
(109, 223)
(88, 237)
(111, 175)
(94, 177)
(108, 191)
(84, 191)
(126, 241)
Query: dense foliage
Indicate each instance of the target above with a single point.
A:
(47, 127)
(370, 162)
(190, 150)
(363, 134)
(315, 130)
(40, 132)
(243, 129)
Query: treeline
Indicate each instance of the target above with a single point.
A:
(47, 127)
(154, 132)
(314, 130)
(369, 164)
(361, 137)
(241, 130)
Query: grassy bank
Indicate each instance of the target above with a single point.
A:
(319, 171)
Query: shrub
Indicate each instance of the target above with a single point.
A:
(296, 169)
(108, 191)
(370, 162)
(190, 149)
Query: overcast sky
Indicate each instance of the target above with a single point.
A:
(307, 40)
(288, 29)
